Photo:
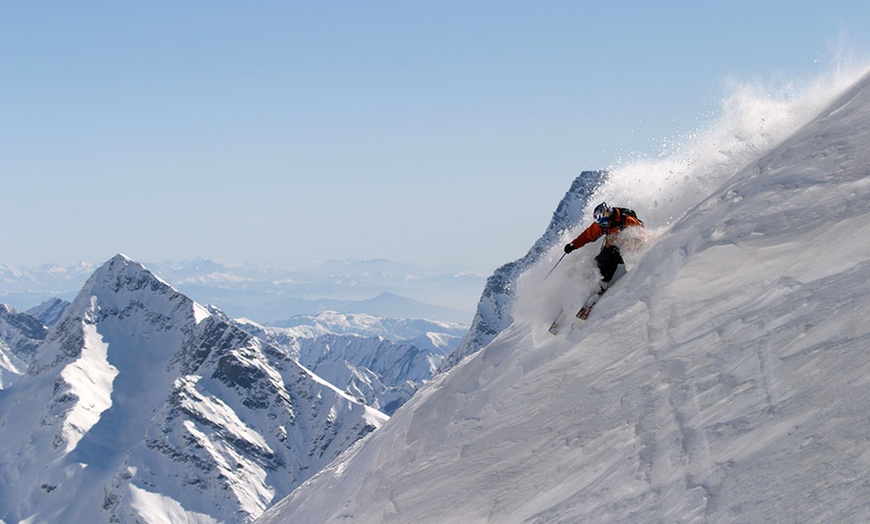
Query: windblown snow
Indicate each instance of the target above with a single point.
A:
(724, 378)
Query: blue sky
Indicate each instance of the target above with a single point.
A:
(291, 132)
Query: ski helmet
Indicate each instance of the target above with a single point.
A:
(602, 213)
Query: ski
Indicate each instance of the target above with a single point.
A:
(584, 311)
(554, 327)
(583, 314)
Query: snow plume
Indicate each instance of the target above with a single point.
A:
(753, 118)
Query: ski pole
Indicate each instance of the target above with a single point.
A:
(554, 267)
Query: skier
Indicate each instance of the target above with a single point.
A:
(609, 222)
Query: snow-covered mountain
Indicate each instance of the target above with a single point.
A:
(724, 378)
(141, 406)
(20, 336)
(21, 332)
(387, 305)
(495, 308)
(50, 311)
(380, 361)
(442, 336)
(381, 373)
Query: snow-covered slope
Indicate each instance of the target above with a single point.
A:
(495, 308)
(11, 367)
(141, 406)
(723, 379)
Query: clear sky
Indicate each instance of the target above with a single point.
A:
(290, 132)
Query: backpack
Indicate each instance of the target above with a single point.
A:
(626, 212)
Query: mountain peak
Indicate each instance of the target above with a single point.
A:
(120, 286)
(123, 275)
(121, 263)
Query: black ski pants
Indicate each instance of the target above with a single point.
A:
(608, 260)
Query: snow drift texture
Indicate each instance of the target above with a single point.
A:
(725, 378)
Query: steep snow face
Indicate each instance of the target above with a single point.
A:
(11, 367)
(495, 309)
(142, 406)
(89, 380)
(723, 379)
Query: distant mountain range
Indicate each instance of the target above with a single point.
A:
(380, 361)
(267, 294)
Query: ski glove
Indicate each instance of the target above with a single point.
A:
(569, 248)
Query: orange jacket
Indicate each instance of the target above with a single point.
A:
(594, 232)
